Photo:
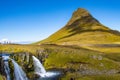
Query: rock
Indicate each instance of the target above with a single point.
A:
(100, 58)
(36, 76)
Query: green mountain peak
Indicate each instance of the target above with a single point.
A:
(82, 28)
(82, 19)
(79, 13)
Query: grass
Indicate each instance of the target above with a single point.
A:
(71, 59)
(53, 38)
(20, 48)
(77, 76)
(113, 56)
(83, 37)
(74, 58)
(110, 49)
(97, 37)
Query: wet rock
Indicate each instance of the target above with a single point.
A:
(36, 76)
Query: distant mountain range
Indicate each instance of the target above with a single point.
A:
(83, 28)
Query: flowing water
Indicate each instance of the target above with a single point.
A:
(40, 70)
(38, 66)
(6, 66)
(19, 74)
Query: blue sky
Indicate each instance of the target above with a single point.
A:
(34, 20)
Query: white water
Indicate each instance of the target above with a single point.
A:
(19, 74)
(38, 66)
(6, 66)
(40, 70)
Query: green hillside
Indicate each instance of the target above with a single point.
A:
(82, 28)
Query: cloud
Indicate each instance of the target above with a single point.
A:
(5, 40)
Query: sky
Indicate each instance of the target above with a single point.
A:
(34, 20)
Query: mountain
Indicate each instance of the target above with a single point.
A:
(83, 28)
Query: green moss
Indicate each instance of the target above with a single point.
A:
(2, 77)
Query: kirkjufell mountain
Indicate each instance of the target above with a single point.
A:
(83, 28)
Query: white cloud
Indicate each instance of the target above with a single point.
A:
(4, 40)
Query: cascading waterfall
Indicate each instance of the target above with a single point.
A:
(6, 66)
(39, 69)
(18, 72)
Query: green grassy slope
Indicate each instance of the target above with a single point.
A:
(91, 37)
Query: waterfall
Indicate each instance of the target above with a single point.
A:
(6, 66)
(19, 74)
(39, 69)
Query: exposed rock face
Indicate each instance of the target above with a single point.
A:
(81, 14)
(83, 20)
(2, 67)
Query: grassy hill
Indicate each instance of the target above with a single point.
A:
(83, 29)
